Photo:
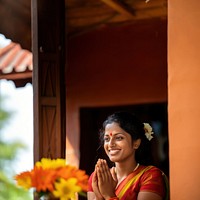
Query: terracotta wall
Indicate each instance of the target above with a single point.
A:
(114, 66)
(184, 98)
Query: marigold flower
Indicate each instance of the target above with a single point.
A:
(66, 189)
(24, 179)
(66, 172)
(82, 178)
(53, 164)
(71, 171)
(43, 179)
(53, 177)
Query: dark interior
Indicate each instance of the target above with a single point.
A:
(92, 118)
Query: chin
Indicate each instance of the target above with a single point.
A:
(112, 159)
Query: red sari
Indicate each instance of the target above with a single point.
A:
(143, 179)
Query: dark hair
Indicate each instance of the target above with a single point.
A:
(132, 125)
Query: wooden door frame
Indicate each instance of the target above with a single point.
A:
(48, 46)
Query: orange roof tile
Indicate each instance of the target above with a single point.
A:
(15, 62)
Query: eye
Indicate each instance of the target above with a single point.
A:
(119, 138)
(106, 139)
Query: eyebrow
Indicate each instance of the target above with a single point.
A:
(107, 134)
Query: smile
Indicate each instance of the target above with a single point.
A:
(113, 151)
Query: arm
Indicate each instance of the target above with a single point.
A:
(152, 185)
(148, 196)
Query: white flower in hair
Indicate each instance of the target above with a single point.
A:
(148, 131)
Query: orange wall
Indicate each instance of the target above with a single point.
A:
(184, 98)
(115, 66)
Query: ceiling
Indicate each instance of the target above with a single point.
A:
(15, 21)
(81, 16)
(87, 15)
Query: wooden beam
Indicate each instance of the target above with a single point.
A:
(16, 76)
(119, 7)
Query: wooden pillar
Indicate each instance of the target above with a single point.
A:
(48, 21)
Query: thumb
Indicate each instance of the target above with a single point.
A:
(94, 178)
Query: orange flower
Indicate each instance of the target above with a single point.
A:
(54, 177)
(73, 172)
(24, 179)
(66, 172)
(82, 178)
(43, 179)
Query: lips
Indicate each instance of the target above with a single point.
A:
(113, 151)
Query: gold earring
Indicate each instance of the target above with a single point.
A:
(136, 146)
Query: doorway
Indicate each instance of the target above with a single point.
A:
(91, 120)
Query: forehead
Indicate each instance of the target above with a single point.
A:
(113, 128)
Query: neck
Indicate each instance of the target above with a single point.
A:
(124, 169)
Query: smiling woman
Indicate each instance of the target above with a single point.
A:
(126, 141)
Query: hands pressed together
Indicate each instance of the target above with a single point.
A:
(104, 181)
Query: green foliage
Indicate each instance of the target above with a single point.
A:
(8, 154)
(4, 115)
(8, 190)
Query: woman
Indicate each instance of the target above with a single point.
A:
(126, 142)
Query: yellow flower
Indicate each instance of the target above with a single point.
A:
(66, 189)
(24, 179)
(54, 177)
(47, 163)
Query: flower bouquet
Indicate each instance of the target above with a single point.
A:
(54, 178)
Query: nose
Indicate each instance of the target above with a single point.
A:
(112, 142)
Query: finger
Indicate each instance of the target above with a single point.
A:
(107, 170)
(102, 165)
(100, 176)
(94, 176)
(99, 162)
(101, 170)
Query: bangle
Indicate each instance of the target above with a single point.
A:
(113, 198)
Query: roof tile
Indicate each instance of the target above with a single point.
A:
(14, 59)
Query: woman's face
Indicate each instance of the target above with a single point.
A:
(118, 143)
